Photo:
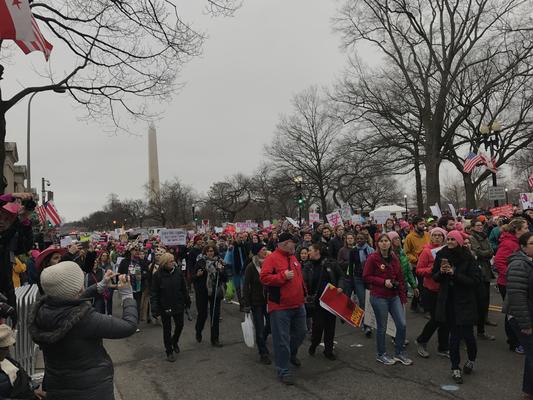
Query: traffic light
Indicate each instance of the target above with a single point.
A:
(301, 199)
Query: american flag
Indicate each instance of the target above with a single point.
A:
(471, 161)
(48, 212)
(530, 180)
(490, 163)
(38, 44)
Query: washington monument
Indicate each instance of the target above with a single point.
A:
(153, 164)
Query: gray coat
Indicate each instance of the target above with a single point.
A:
(519, 299)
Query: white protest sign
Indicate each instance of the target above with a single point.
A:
(266, 224)
(452, 210)
(66, 241)
(370, 317)
(527, 200)
(218, 230)
(173, 237)
(435, 210)
(381, 216)
(334, 218)
(346, 212)
(292, 222)
(314, 217)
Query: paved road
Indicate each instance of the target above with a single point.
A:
(233, 372)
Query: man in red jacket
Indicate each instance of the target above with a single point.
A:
(281, 273)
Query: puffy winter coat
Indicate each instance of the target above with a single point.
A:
(168, 293)
(519, 299)
(424, 267)
(70, 334)
(508, 245)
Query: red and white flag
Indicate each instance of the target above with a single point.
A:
(41, 213)
(530, 180)
(490, 163)
(51, 214)
(15, 20)
(37, 42)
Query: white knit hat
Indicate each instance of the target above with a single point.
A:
(6, 336)
(63, 281)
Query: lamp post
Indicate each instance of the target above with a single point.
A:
(506, 196)
(406, 209)
(298, 181)
(491, 139)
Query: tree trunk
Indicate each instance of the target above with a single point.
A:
(419, 191)
(470, 191)
(432, 164)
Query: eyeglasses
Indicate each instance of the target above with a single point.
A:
(476, 225)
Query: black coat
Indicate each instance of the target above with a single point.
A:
(200, 282)
(334, 246)
(519, 299)
(21, 388)
(70, 334)
(456, 301)
(317, 274)
(253, 291)
(169, 292)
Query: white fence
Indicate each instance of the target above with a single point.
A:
(25, 349)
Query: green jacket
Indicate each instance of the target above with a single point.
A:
(406, 268)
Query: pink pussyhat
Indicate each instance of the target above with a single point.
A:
(12, 208)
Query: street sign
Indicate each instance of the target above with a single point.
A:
(496, 193)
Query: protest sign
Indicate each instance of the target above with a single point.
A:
(452, 210)
(346, 212)
(173, 237)
(219, 229)
(85, 238)
(314, 217)
(266, 224)
(435, 210)
(503, 211)
(66, 241)
(370, 317)
(527, 200)
(357, 219)
(334, 218)
(292, 222)
(341, 305)
(381, 216)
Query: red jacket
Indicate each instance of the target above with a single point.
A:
(377, 271)
(424, 267)
(508, 245)
(283, 294)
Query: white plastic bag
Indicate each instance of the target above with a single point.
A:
(248, 331)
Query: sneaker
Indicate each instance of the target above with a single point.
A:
(444, 354)
(385, 359)
(402, 358)
(330, 356)
(457, 376)
(469, 367)
(138, 330)
(287, 379)
(421, 349)
(519, 350)
(171, 357)
(368, 332)
(265, 359)
(486, 336)
(295, 362)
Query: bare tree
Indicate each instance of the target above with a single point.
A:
(126, 54)
(432, 45)
(230, 196)
(304, 144)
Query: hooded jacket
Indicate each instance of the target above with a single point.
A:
(253, 291)
(70, 333)
(424, 267)
(508, 245)
(519, 299)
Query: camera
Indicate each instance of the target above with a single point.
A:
(395, 285)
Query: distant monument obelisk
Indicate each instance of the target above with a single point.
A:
(153, 164)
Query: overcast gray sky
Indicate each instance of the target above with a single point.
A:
(252, 64)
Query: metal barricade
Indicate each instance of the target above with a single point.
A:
(25, 349)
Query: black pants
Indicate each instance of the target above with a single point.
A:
(512, 339)
(416, 302)
(203, 301)
(483, 301)
(138, 296)
(169, 339)
(323, 323)
(262, 327)
(458, 333)
(430, 304)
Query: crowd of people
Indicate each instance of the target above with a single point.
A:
(440, 267)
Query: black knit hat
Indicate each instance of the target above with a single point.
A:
(284, 236)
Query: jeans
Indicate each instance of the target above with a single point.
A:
(323, 323)
(169, 339)
(288, 333)
(262, 329)
(202, 303)
(483, 301)
(527, 342)
(430, 301)
(355, 285)
(382, 307)
(458, 332)
(512, 339)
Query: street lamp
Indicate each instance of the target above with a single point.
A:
(491, 140)
(59, 89)
(406, 209)
(506, 196)
(298, 180)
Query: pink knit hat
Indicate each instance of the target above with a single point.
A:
(404, 224)
(392, 235)
(438, 230)
(457, 236)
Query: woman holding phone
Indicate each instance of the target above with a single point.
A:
(455, 271)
